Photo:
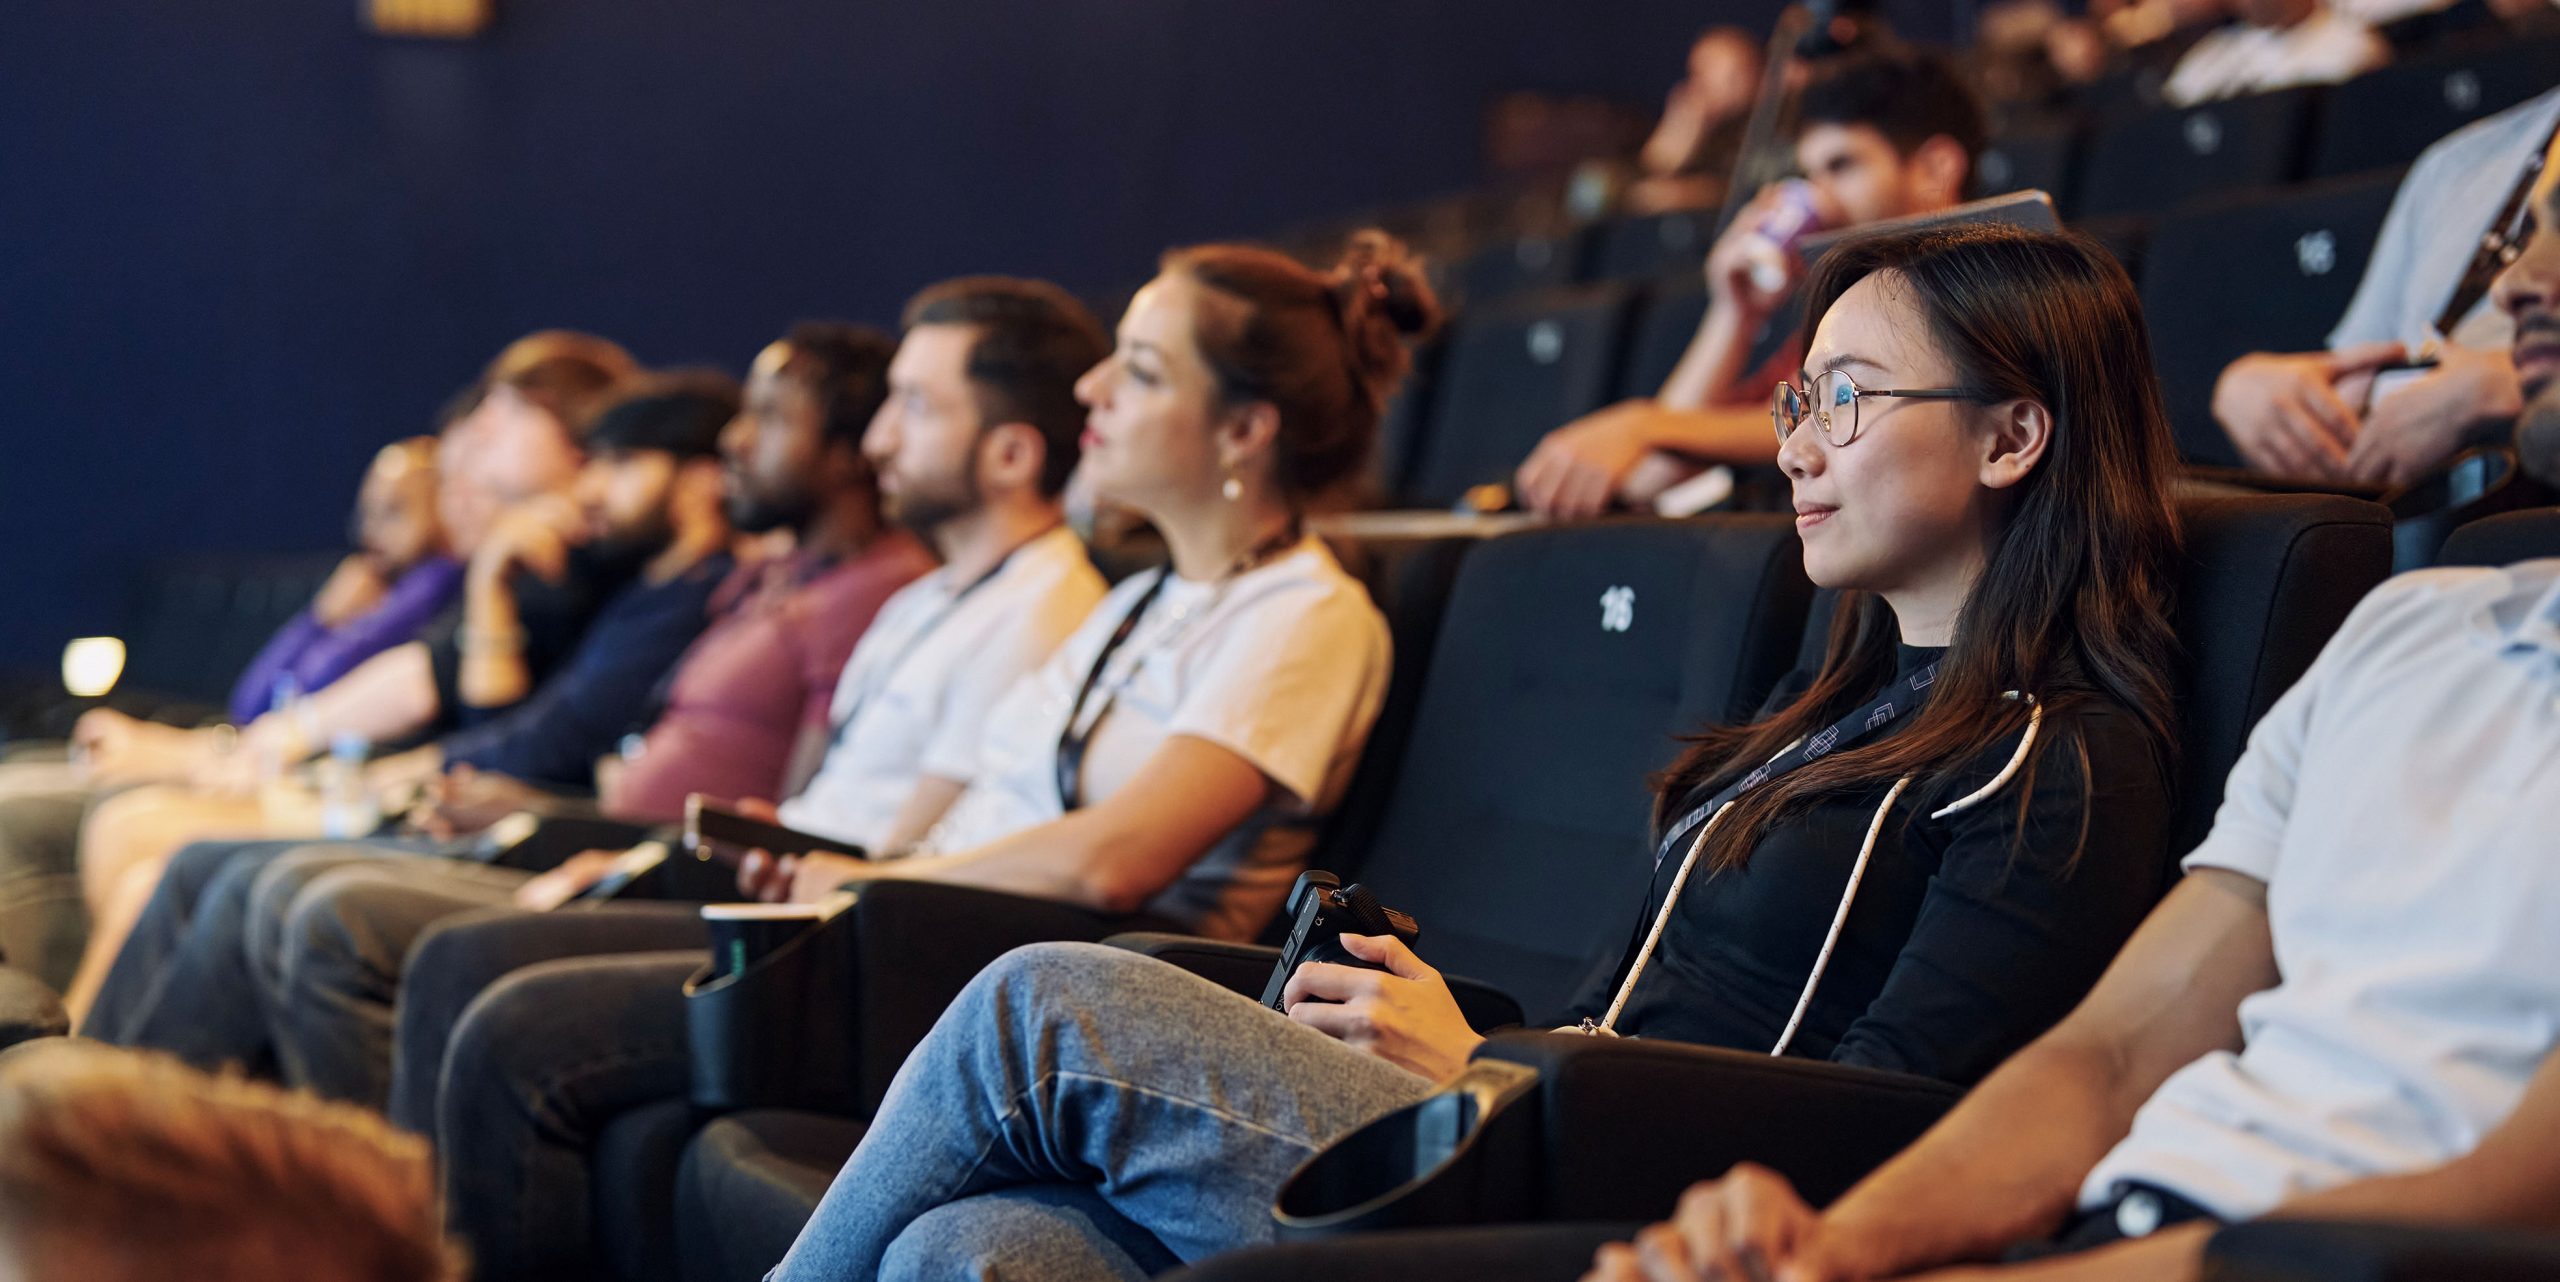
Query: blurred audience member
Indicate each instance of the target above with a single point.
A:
(1224, 698)
(122, 1167)
(2275, 44)
(1691, 153)
(2356, 412)
(1880, 134)
(649, 513)
(979, 431)
(390, 590)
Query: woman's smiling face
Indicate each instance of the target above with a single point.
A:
(1903, 505)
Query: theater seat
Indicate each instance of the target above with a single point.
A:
(1568, 659)
(2164, 158)
(1512, 373)
(1632, 249)
(1518, 265)
(1625, 1125)
(2263, 272)
(2387, 117)
(2334, 1251)
(748, 1183)
(1666, 321)
(2504, 540)
(2040, 157)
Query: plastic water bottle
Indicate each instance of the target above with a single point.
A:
(347, 808)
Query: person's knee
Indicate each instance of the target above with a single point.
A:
(941, 1245)
(1062, 970)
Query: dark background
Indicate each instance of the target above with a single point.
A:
(242, 244)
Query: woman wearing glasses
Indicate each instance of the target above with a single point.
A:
(1920, 856)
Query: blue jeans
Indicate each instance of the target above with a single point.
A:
(1083, 1111)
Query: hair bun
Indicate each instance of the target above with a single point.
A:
(1385, 302)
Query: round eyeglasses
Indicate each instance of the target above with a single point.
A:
(1831, 401)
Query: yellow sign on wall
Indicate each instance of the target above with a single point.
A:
(437, 19)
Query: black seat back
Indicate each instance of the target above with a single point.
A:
(2164, 158)
(2529, 535)
(195, 622)
(2268, 272)
(2041, 157)
(1517, 265)
(2268, 580)
(1666, 322)
(1511, 374)
(1648, 246)
(2387, 117)
(1570, 659)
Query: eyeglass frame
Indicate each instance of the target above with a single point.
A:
(1804, 394)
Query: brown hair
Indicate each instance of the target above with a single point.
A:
(1034, 340)
(2072, 606)
(122, 1166)
(569, 374)
(1326, 350)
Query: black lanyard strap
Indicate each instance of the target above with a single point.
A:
(1077, 735)
(888, 667)
(2500, 245)
(1903, 696)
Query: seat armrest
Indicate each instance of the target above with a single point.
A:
(1246, 969)
(1629, 1123)
(2336, 1251)
(1240, 968)
(28, 1009)
(917, 944)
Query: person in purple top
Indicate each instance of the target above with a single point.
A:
(398, 580)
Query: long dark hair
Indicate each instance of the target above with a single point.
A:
(2073, 603)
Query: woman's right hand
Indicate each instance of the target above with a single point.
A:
(1749, 1226)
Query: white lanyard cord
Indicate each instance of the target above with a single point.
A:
(1848, 895)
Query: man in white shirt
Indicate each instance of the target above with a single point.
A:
(2275, 44)
(2325, 415)
(2348, 1009)
(973, 446)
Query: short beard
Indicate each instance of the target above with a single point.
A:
(756, 514)
(923, 512)
(625, 552)
(2538, 436)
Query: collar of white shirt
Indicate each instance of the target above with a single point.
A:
(2527, 615)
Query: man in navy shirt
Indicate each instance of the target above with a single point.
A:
(649, 512)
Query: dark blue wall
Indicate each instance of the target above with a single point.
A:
(241, 244)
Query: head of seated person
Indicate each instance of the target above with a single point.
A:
(2529, 292)
(515, 432)
(981, 429)
(1887, 132)
(117, 1166)
(1980, 461)
(793, 453)
(653, 492)
(397, 523)
(1244, 388)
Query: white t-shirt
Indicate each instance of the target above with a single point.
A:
(2442, 210)
(2323, 49)
(2402, 805)
(920, 682)
(1283, 665)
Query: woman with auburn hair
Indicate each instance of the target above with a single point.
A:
(1170, 760)
(1919, 857)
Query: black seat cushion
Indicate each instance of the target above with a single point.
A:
(2529, 535)
(748, 1183)
(2163, 158)
(1570, 660)
(1512, 374)
(2264, 272)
